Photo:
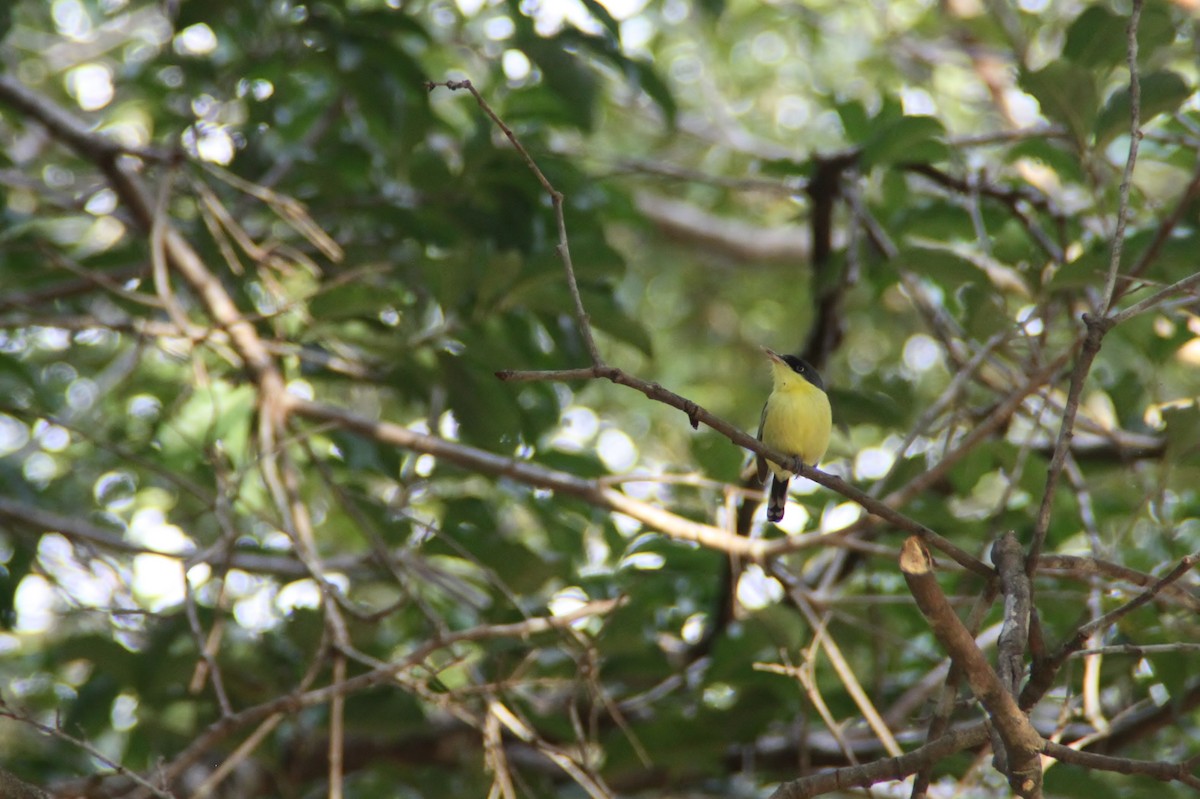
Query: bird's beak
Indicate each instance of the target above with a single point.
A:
(773, 355)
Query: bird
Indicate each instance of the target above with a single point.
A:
(796, 420)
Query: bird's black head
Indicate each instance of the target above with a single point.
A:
(805, 370)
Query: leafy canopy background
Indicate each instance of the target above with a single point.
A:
(923, 198)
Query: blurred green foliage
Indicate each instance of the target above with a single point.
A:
(394, 250)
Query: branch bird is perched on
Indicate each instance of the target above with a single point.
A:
(796, 421)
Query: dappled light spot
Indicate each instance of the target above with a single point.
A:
(13, 435)
(91, 85)
(756, 589)
(921, 353)
(873, 463)
(196, 40)
(643, 561)
(299, 594)
(157, 581)
(35, 604)
(693, 628)
(617, 450)
(840, 516)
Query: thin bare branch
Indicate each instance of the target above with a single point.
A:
(1136, 650)
(1135, 138)
(1086, 568)
(1045, 671)
(534, 475)
(205, 644)
(1156, 299)
(698, 415)
(337, 730)
(557, 198)
(54, 731)
(1159, 770)
(884, 769)
(243, 751)
(1096, 329)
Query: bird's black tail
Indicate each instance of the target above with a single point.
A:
(778, 499)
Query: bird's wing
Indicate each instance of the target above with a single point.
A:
(760, 461)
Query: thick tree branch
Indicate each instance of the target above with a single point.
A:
(1006, 555)
(1021, 741)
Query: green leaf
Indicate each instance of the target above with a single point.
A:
(485, 409)
(217, 413)
(982, 310)
(473, 525)
(538, 105)
(361, 455)
(868, 407)
(718, 458)
(943, 266)
(1157, 29)
(1097, 38)
(565, 74)
(609, 316)
(907, 139)
(1069, 780)
(1151, 346)
(855, 121)
(1067, 95)
(92, 708)
(1174, 259)
(1050, 153)
(1161, 93)
(1086, 270)
(11, 574)
(14, 372)
(646, 77)
(1183, 431)
(581, 464)
(967, 473)
(598, 11)
(357, 300)
(498, 277)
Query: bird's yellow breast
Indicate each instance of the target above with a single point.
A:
(797, 420)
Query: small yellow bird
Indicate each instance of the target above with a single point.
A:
(796, 421)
